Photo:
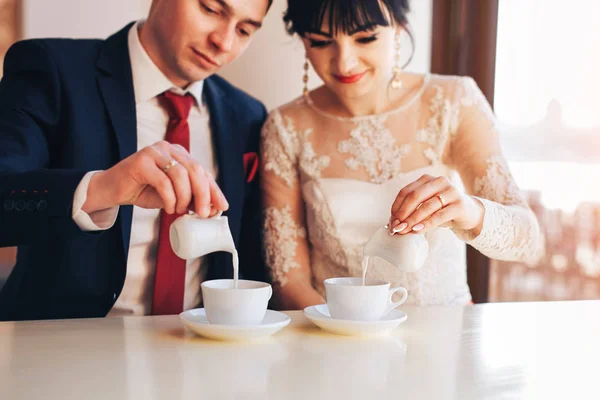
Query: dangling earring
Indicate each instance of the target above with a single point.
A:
(396, 80)
(305, 77)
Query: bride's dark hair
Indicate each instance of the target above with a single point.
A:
(346, 16)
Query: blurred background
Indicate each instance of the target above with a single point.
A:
(536, 61)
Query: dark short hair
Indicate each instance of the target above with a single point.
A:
(345, 16)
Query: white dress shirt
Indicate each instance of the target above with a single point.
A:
(152, 119)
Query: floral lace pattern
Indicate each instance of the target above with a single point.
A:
(310, 163)
(325, 234)
(433, 133)
(509, 233)
(471, 96)
(373, 147)
(277, 157)
(281, 235)
(278, 147)
(498, 184)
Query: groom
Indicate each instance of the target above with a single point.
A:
(90, 128)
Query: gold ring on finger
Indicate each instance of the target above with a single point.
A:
(441, 197)
(171, 163)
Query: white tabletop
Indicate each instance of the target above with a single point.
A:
(494, 351)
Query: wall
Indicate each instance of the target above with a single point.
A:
(79, 18)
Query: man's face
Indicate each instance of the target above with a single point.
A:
(193, 39)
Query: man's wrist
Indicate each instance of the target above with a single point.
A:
(97, 198)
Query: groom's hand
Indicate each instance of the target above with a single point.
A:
(162, 175)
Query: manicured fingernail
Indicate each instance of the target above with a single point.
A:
(395, 223)
(400, 227)
(418, 227)
(205, 211)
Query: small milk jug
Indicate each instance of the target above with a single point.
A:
(407, 252)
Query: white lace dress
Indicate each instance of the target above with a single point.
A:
(329, 183)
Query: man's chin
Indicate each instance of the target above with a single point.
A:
(196, 77)
(195, 73)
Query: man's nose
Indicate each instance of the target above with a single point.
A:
(224, 38)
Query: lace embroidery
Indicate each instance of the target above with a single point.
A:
(276, 157)
(473, 97)
(310, 163)
(498, 184)
(375, 149)
(433, 133)
(325, 234)
(510, 233)
(281, 234)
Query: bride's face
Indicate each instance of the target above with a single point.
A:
(353, 64)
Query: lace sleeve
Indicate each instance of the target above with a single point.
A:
(510, 229)
(286, 248)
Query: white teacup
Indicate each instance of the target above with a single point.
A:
(348, 299)
(244, 305)
(192, 236)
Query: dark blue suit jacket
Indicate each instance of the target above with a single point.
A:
(67, 107)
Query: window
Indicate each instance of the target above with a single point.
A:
(547, 86)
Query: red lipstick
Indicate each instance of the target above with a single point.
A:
(350, 78)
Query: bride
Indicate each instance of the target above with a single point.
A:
(376, 145)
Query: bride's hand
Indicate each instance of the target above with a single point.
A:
(430, 202)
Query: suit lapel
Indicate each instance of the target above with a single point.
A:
(226, 136)
(116, 87)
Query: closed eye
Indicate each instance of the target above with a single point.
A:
(209, 10)
(319, 43)
(367, 39)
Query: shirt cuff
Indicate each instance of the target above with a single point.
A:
(96, 221)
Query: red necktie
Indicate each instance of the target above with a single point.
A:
(169, 280)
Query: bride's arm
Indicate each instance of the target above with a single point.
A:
(510, 230)
(286, 245)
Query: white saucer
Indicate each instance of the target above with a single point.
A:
(196, 320)
(320, 316)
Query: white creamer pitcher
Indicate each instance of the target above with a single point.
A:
(192, 237)
(407, 252)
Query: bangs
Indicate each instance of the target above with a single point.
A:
(342, 16)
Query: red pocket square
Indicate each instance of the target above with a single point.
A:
(250, 166)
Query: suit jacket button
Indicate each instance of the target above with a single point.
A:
(20, 205)
(31, 205)
(42, 204)
(9, 205)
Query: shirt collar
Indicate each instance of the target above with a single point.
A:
(148, 80)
